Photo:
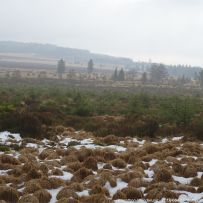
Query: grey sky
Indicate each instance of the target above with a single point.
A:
(169, 31)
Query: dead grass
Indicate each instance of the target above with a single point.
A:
(132, 193)
(76, 187)
(6, 159)
(97, 189)
(163, 175)
(151, 148)
(98, 198)
(43, 196)
(119, 163)
(128, 176)
(189, 171)
(80, 174)
(57, 172)
(66, 192)
(137, 182)
(9, 194)
(159, 193)
(91, 163)
(107, 166)
(68, 200)
(187, 188)
(197, 182)
(119, 195)
(51, 183)
(111, 140)
(31, 187)
(45, 153)
(44, 169)
(28, 199)
(68, 159)
(33, 174)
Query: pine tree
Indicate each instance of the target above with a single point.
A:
(115, 74)
(90, 66)
(121, 75)
(61, 68)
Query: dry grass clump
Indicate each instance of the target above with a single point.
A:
(187, 188)
(74, 166)
(191, 148)
(151, 148)
(67, 159)
(119, 163)
(51, 183)
(76, 187)
(84, 153)
(44, 169)
(119, 195)
(45, 153)
(177, 168)
(132, 193)
(128, 176)
(17, 171)
(28, 199)
(57, 172)
(158, 194)
(43, 196)
(6, 166)
(97, 189)
(33, 174)
(137, 182)
(66, 192)
(97, 198)
(111, 139)
(68, 200)
(9, 194)
(91, 163)
(189, 171)
(80, 174)
(109, 155)
(196, 182)
(6, 159)
(107, 166)
(200, 189)
(31, 186)
(162, 175)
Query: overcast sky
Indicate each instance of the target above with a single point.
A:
(169, 31)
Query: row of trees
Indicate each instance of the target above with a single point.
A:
(61, 67)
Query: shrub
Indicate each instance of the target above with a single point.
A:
(132, 193)
(4, 148)
(119, 195)
(81, 174)
(119, 163)
(28, 199)
(91, 163)
(66, 193)
(43, 196)
(163, 175)
(9, 194)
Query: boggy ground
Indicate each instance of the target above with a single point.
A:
(74, 166)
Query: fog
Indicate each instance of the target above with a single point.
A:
(168, 31)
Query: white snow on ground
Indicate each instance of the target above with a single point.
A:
(83, 193)
(150, 173)
(4, 136)
(182, 180)
(112, 190)
(65, 176)
(199, 174)
(130, 201)
(188, 196)
(32, 145)
(139, 142)
(94, 146)
(177, 138)
(165, 140)
(100, 165)
(54, 193)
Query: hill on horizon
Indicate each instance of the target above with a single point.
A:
(56, 52)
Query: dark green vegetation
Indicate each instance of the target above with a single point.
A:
(31, 106)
